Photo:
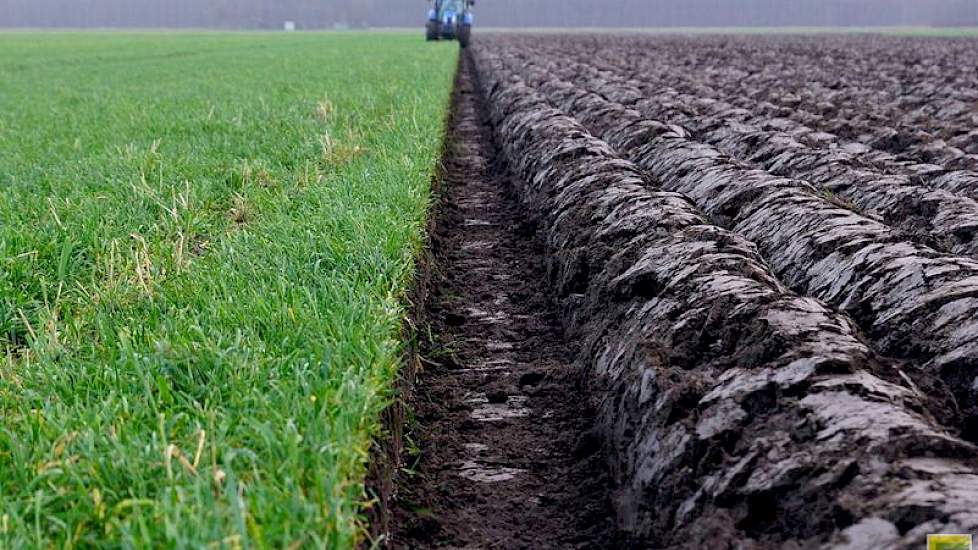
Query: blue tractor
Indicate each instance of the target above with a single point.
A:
(450, 20)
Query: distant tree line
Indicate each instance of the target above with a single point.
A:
(318, 14)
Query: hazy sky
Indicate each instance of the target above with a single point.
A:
(508, 13)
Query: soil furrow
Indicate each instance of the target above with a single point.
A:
(950, 172)
(899, 148)
(934, 217)
(506, 456)
(921, 111)
(913, 302)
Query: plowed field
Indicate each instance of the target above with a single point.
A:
(765, 250)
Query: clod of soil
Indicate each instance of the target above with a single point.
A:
(531, 378)
(497, 396)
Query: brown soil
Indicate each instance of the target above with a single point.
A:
(771, 366)
(778, 326)
(505, 452)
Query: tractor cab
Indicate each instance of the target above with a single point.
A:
(450, 20)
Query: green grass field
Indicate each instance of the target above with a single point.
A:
(205, 243)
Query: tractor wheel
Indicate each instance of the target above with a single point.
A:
(464, 34)
(431, 31)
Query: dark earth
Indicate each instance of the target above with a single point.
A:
(702, 292)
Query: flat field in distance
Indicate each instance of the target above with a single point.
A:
(205, 241)
(949, 32)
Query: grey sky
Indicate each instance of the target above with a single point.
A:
(509, 13)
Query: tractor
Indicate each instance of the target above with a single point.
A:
(450, 20)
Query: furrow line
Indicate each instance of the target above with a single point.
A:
(951, 172)
(913, 302)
